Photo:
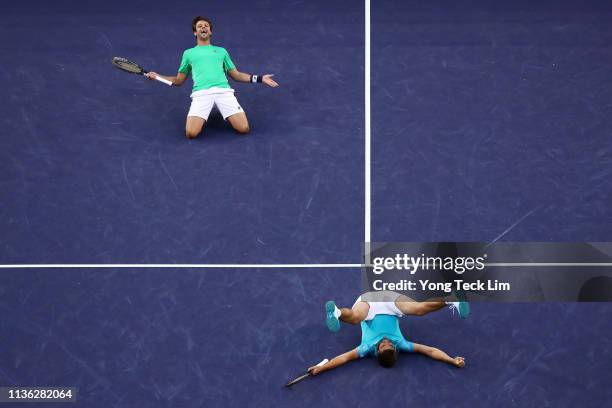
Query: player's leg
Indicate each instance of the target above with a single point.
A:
(194, 126)
(240, 123)
(201, 105)
(355, 315)
(232, 112)
(410, 306)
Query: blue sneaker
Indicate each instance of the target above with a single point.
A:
(333, 324)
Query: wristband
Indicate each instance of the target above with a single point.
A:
(256, 78)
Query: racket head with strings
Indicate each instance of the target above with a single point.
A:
(128, 66)
(304, 376)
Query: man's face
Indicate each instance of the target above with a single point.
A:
(385, 344)
(203, 30)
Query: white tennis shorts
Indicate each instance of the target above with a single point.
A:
(382, 302)
(203, 101)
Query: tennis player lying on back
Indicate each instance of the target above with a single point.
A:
(208, 65)
(378, 313)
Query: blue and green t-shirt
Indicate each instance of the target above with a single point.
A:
(381, 326)
(207, 65)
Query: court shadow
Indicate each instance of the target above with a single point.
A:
(217, 128)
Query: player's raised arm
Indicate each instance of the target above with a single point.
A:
(439, 355)
(244, 77)
(335, 362)
(176, 80)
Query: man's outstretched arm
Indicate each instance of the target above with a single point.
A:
(439, 355)
(176, 80)
(244, 77)
(335, 362)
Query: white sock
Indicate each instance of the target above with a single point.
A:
(337, 312)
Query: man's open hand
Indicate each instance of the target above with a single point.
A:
(267, 79)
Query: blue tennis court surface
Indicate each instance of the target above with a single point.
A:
(233, 338)
(95, 167)
(488, 122)
(491, 121)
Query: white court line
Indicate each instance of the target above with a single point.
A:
(177, 266)
(565, 264)
(274, 266)
(368, 130)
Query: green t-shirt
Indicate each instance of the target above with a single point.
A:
(207, 65)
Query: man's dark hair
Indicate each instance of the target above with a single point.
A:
(200, 18)
(387, 358)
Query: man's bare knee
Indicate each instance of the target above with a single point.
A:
(242, 129)
(194, 127)
(420, 309)
(191, 134)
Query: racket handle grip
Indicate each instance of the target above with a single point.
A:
(164, 80)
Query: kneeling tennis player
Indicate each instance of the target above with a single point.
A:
(208, 66)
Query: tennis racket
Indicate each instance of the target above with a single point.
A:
(133, 68)
(304, 376)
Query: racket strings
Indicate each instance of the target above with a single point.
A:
(126, 65)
